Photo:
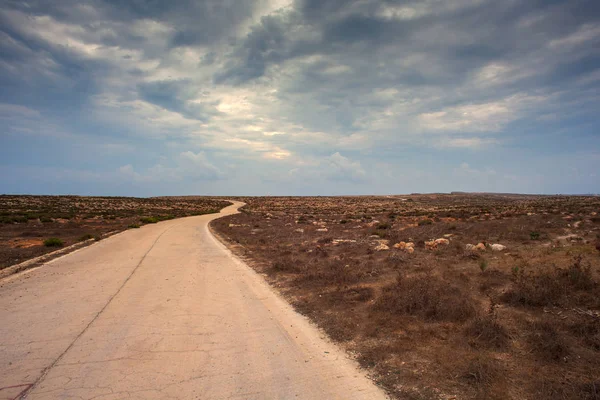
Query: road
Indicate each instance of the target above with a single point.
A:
(162, 312)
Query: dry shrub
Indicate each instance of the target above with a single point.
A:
(329, 272)
(425, 296)
(550, 287)
(357, 294)
(567, 390)
(547, 342)
(486, 332)
(482, 373)
(588, 331)
(286, 264)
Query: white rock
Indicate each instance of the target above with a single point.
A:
(498, 247)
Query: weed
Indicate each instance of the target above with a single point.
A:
(53, 242)
(85, 237)
(425, 222)
(534, 235)
(149, 220)
(483, 264)
(133, 226)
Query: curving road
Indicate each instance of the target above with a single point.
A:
(162, 312)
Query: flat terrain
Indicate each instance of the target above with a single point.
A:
(442, 296)
(26, 222)
(162, 312)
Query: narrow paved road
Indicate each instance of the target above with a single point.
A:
(162, 312)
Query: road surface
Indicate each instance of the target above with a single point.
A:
(162, 312)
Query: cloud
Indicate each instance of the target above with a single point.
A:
(188, 166)
(338, 167)
(326, 88)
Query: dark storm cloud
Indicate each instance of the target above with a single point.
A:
(462, 36)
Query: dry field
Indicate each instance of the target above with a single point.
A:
(505, 305)
(27, 222)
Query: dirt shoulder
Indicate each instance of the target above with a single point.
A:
(515, 315)
(28, 222)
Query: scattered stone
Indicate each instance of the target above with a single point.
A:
(433, 244)
(469, 247)
(299, 230)
(448, 235)
(480, 246)
(382, 246)
(338, 241)
(322, 230)
(498, 247)
(407, 247)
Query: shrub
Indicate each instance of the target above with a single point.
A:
(534, 235)
(425, 222)
(134, 226)
(53, 242)
(546, 342)
(46, 219)
(383, 226)
(86, 237)
(550, 287)
(486, 332)
(148, 220)
(427, 297)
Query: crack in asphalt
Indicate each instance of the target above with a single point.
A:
(46, 370)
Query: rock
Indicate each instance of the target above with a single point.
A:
(322, 230)
(498, 247)
(469, 247)
(408, 247)
(442, 241)
(338, 241)
(299, 230)
(448, 235)
(431, 245)
(382, 246)
(480, 246)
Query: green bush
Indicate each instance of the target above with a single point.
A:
(53, 242)
(425, 222)
(134, 226)
(534, 235)
(149, 220)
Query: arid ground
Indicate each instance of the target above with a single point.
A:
(26, 222)
(447, 296)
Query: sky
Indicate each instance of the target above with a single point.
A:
(299, 97)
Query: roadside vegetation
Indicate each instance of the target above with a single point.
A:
(31, 226)
(441, 296)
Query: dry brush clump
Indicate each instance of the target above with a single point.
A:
(425, 296)
(556, 286)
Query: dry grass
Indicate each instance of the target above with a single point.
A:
(435, 324)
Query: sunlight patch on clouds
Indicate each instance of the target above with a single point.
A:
(484, 117)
